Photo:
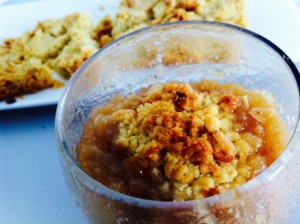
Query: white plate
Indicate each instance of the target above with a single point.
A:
(277, 20)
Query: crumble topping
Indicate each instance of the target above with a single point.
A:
(179, 141)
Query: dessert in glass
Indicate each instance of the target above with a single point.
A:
(185, 122)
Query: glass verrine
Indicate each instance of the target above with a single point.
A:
(187, 51)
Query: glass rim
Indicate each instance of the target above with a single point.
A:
(255, 182)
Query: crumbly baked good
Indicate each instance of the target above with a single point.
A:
(24, 77)
(20, 73)
(27, 62)
(62, 45)
(103, 30)
(180, 142)
(77, 29)
(137, 14)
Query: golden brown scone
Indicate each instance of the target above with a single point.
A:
(137, 14)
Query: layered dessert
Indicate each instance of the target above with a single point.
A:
(178, 141)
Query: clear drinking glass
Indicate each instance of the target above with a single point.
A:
(184, 51)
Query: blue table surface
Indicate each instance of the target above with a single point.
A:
(32, 187)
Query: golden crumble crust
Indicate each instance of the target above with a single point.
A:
(27, 62)
(79, 47)
(137, 14)
(177, 141)
(62, 45)
(29, 76)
